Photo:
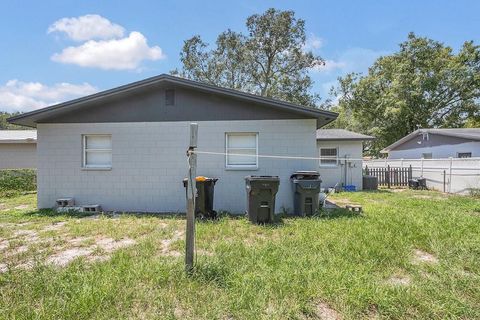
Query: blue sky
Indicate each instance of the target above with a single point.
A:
(54, 51)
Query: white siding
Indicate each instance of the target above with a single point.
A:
(149, 163)
(18, 155)
(331, 175)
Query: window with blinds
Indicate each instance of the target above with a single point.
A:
(241, 150)
(328, 157)
(97, 151)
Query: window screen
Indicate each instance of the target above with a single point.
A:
(97, 151)
(242, 150)
(328, 156)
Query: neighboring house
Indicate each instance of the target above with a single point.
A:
(125, 148)
(18, 149)
(436, 143)
(335, 148)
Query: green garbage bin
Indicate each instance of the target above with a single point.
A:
(306, 185)
(261, 192)
(204, 197)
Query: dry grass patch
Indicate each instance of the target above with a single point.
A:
(420, 257)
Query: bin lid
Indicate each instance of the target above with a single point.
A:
(305, 175)
(262, 178)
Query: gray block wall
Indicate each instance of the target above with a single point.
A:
(149, 163)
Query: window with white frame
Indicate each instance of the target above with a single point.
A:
(328, 157)
(241, 150)
(97, 151)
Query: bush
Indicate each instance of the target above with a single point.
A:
(18, 180)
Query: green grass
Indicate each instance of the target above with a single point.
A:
(248, 271)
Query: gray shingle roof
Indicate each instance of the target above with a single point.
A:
(465, 133)
(18, 136)
(341, 134)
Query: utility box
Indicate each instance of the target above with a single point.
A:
(306, 185)
(261, 192)
(370, 183)
(204, 197)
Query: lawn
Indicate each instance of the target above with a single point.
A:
(411, 254)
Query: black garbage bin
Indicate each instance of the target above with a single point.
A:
(306, 185)
(261, 192)
(204, 197)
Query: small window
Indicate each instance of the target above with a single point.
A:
(427, 155)
(97, 151)
(169, 97)
(464, 155)
(242, 150)
(328, 157)
(425, 136)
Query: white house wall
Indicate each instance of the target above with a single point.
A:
(18, 155)
(331, 175)
(149, 163)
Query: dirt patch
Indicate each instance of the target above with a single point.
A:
(16, 251)
(166, 245)
(55, 226)
(108, 245)
(398, 190)
(22, 207)
(65, 257)
(26, 235)
(4, 244)
(420, 257)
(399, 280)
(372, 312)
(325, 312)
(78, 241)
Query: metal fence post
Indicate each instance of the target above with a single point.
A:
(450, 175)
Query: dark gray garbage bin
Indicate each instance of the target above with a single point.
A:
(204, 197)
(306, 186)
(261, 191)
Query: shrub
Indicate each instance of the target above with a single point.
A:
(18, 180)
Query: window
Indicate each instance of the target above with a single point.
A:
(427, 155)
(242, 150)
(169, 97)
(97, 151)
(464, 154)
(328, 157)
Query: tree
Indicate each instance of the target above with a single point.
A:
(270, 60)
(4, 125)
(425, 84)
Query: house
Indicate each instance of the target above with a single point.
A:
(18, 149)
(125, 148)
(436, 143)
(340, 152)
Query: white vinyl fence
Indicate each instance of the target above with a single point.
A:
(453, 175)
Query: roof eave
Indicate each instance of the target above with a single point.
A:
(325, 115)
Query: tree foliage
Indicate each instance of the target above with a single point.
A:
(4, 125)
(425, 84)
(269, 60)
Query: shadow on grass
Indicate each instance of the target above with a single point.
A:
(214, 272)
(338, 213)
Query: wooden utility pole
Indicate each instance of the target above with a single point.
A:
(191, 193)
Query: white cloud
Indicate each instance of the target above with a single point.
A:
(313, 42)
(117, 54)
(329, 66)
(88, 27)
(22, 96)
(351, 60)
